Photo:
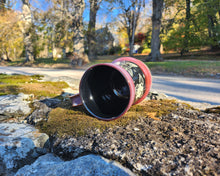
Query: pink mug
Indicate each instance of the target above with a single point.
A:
(108, 90)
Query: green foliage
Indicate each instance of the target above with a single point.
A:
(53, 28)
(38, 41)
(146, 51)
(203, 25)
(115, 50)
(176, 39)
(145, 48)
(207, 13)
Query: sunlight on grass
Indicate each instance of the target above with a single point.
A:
(52, 61)
(197, 66)
(186, 67)
(100, 62)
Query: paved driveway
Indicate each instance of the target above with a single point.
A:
(183, 88)
(189, 89)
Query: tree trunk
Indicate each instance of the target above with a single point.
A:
(53, 40)
(130, 46)
(134, 19)
(64, 52)
(133, 29)
(7, 56)
(78, 39)
(212, 32)
(213, 22)
(186, 38)
(29, 49)
(91, 29)
(155, 54)
(211, 25)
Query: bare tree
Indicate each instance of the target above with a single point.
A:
(61, 17)
(130, 15)
(26, 12)
(91, 34)
(79, 37)
(155, 54)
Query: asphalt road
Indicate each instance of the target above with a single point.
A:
(183, 88)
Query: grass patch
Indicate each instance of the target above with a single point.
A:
(195, 68)
(14, 84)
(186, 67)
(100, 61)
(68, 121)
(38, 61)
(51, 61)
(201, 64)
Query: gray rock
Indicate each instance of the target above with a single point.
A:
(89, 165)
(20, 144)
(51, 102)
(198, 105)
(180, 143)
(154, 95)
(41, 110)
(14, 106)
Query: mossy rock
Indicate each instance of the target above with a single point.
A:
(213, 110)
(66, 120)
(15, 84)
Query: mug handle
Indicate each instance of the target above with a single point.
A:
(76, 100)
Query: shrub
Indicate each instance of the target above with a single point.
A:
(146, 51)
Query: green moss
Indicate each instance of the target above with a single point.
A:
(68, 121)
(160, 107)
(47, 89)
(37, 77)
(14, 79)
(14, 84)
(8, 89)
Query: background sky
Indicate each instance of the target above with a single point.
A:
(103, 15)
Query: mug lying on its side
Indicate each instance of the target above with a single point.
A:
(108, 90)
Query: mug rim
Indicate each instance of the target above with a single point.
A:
(128, 80)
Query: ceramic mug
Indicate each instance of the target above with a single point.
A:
(108, 90)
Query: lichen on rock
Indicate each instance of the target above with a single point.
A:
(180, 141)
(20, 144)
(14, 106)
(86, 165)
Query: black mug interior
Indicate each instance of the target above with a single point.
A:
(104, 92)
